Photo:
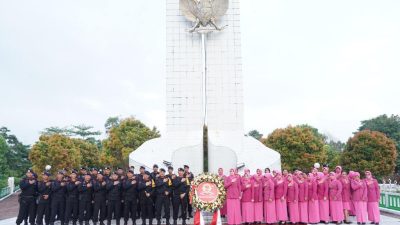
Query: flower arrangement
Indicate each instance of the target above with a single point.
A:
(208, 206)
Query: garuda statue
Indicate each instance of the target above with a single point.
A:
(203, 12)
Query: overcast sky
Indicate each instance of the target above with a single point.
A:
(329, 64)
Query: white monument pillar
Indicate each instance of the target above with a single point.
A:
(182, 144)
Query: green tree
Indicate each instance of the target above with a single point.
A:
(111, 122)
(255, 134)
(300, 146)
(387, 125)
(370, 150)
(56, 150)
(3, 158)
(85, 132)
(17, 154)
(124, 138)
(89, 152)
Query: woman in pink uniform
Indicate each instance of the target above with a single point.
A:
(323, 190)
(303, 198)
(335, 199)
(280, 198)
(346, 196)
(313, 204)
(258, 196)
(247, 200)
(292, 199)
(374, 194)
(359, 197)
(269, 199)
(223, 177)
(233, 189)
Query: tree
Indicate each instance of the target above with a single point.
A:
(17, 154)
(111, 122)
(84, 131)
(255, 134)
(300, 146)
(66, 131)
(3, 158)
(56, 150)
(390, 126)
(124, 138)
(370, 150)
(89, 152)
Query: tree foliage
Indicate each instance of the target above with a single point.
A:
(390, 126)
(124, 138)
(255, 134)
(300, 146)
(370, 150)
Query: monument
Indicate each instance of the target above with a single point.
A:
(204, 89)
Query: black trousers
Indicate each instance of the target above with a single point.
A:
(130, 209)
(85, 210)
(162, 201)
(99, 210)
(177, 203)
(114, 208)
(146, 207)
(27, 208)
(57, 209)
(43, 210)
(71, 209)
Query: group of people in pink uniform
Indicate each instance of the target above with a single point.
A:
(300, 198)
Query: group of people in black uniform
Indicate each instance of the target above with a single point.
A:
(102, 195)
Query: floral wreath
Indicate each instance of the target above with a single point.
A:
(203, 206)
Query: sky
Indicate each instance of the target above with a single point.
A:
(330, 64)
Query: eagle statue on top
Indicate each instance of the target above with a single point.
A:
(203, 12)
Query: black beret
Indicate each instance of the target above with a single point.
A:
(94, 168)
(155, 166)
(185, 166)
(181, 169)
(130, 171)
(162, 169)
(107, 168)
(45, 173)
(142, 167)
(170, 167)
(83, 168)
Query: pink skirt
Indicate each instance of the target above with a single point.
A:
(247, 212)
(313, 211)
(352, 211)
(360, 208)
(293, 212)
(303, 212)
(281, 210)
(336, 210)
(233, 211)
(258, 212)
(346, 205)
(374, 214)
(270, 212)
(324, 210)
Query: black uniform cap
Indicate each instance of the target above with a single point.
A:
(29, 171)
(74, 171)
(83, 168)
(107, 168)
(185, 166)
(155, 166)
(60, 172)
(181, 169)
(94, 168)
(170, 168)
(142, 167)
(130, 171)
(162, 169)
(45, 173)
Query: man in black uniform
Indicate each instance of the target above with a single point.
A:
(93, 173)
(58, 191)
(107, 173)
(189, 176)
(100, 198)
(179, 196)
(114, 188)
(44, 191)
(72, 203)
(85, 200)
(155, 173)
(129, 186)
(163, 191)
(82, 174)
(27, 203)
(171, 176)
(146, 189)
